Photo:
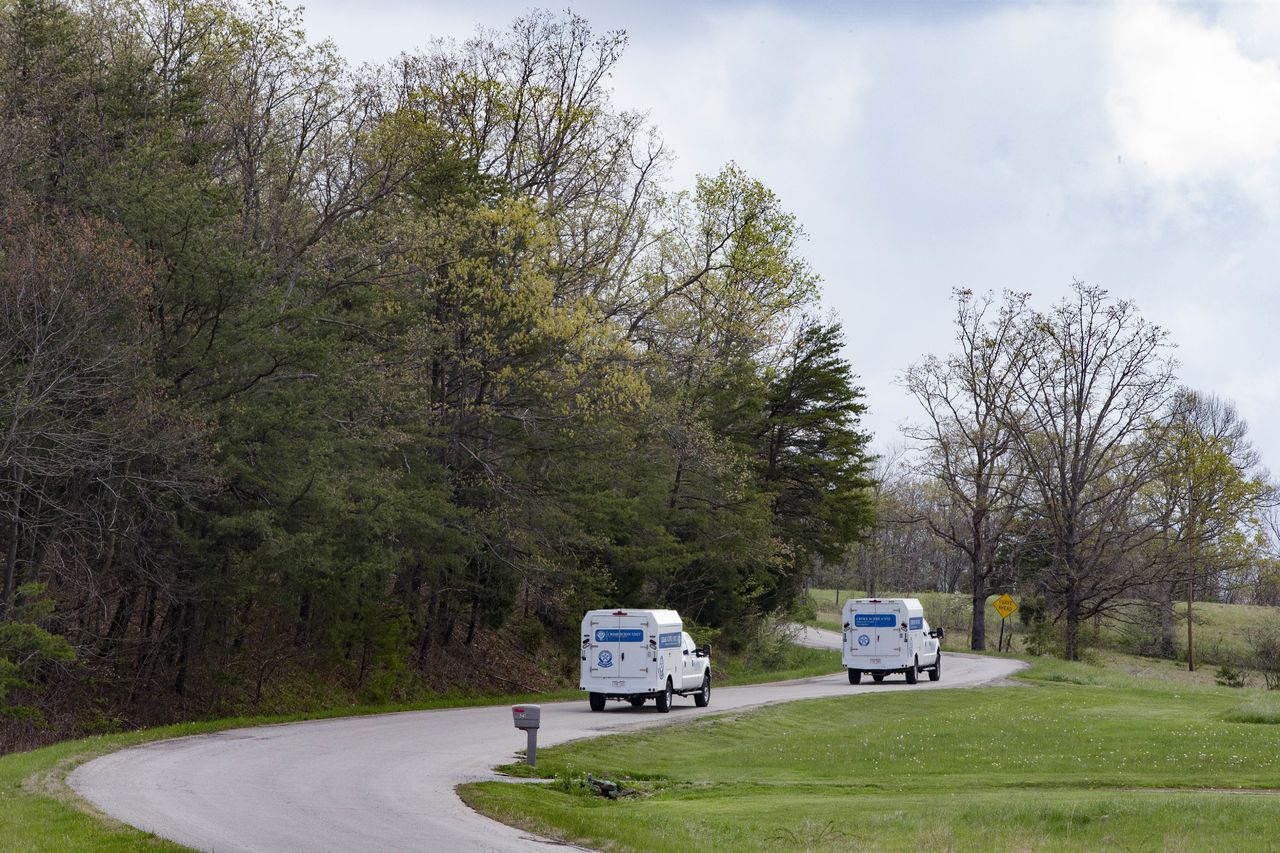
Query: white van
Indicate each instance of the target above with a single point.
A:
(634, 655)
(884, 635)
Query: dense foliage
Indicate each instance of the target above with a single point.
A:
(310, 370)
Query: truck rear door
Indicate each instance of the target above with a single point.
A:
(602, 654)
(875, 633)
(634, 658)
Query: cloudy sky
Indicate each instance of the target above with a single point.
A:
(926, 146)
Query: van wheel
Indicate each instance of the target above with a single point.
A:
(877, 677)
(855, 675)
(913, 671)
(636, 701)
(703, 697)
(664, 699)
(936, 672)
(597, 701)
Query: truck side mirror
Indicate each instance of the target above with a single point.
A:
(703, 651)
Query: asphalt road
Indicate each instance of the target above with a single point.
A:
(387, 782)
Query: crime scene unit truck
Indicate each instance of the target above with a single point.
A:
(636, 655)
(889, 635)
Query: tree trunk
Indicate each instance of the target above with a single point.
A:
(978, 626)
(302, 630)
(1072, 649)
(471, 624)
(184, 650)
(11, 557)
(1165, 606)
(1191, 642)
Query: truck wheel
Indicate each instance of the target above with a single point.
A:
(636, 701)
(664, 699)
(597, 701)
(912, 671)
(936, 672)
(703, 697)
(855, 675)
(877, 677)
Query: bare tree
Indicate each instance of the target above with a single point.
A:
(1091, 404)
(967, 438)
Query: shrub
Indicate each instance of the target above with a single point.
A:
(1265, 645)
(1230, 676)
(26, 648)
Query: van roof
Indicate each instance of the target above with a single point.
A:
(663, 616)
(909, 602)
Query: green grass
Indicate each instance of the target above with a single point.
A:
(1257, 709)
(1086, 758)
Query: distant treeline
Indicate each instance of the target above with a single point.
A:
(305, 368)
(1058, 457)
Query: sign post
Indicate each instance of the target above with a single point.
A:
(1006, 607)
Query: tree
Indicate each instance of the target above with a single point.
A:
(1210, 490)
(967, 440)
(1089, 427)
(816, 465)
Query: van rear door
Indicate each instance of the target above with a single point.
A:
(875, 633)
(633, 646)
(603, 654)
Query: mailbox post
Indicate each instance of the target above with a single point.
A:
(528, 717)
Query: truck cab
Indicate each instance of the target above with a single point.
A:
(695, 666)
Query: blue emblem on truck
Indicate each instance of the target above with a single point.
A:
(619, 635)
(875, 620)
(864, 640)
(605, 659)
(669, 641)
(917, 623)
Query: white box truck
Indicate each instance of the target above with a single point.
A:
(635, 655)
(887, 635)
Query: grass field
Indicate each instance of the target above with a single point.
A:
(39, 813)
(1084, 758)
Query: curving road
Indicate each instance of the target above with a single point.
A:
(387, 782)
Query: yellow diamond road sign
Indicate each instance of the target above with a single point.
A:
(1005, 606)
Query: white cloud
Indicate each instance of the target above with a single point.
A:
(759, 86)
(1190, 106)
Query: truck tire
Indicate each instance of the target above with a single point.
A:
(703, 697)
(596, 701)
(664, 699)
(936, 672)
(913, 671)
(855, 676)
(877, 677)
(636, 701)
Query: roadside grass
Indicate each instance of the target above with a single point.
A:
(39, 812)
(783, 664)
(1085, 758)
